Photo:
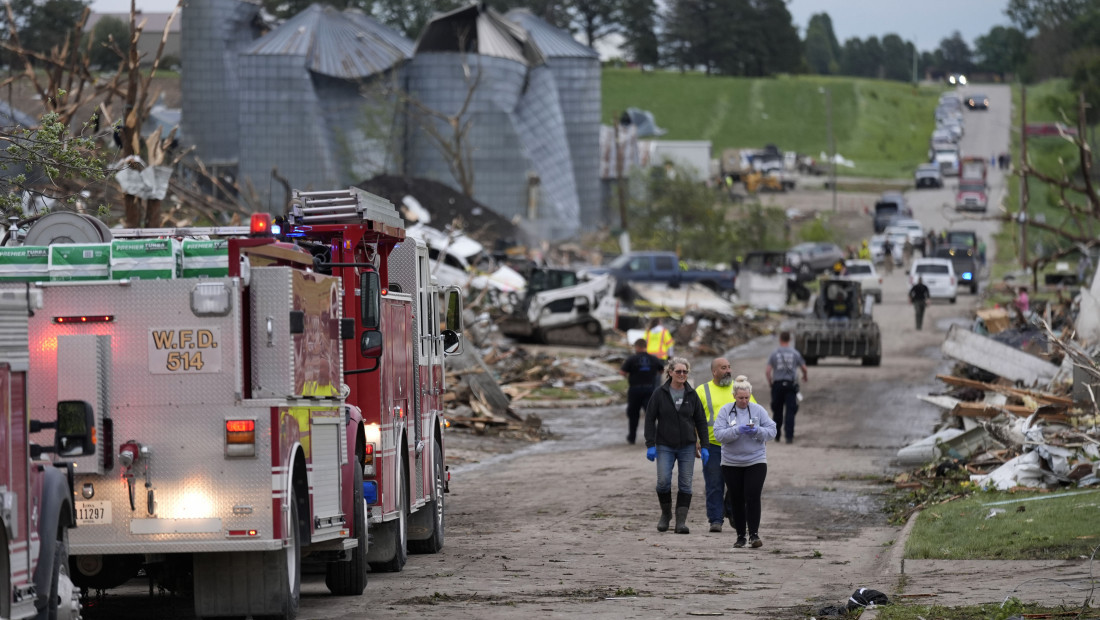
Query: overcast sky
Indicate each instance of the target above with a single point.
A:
(926, 22)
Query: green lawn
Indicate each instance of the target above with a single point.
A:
(883, 127)
(1052, 526)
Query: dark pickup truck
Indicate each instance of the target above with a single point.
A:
(664, 267)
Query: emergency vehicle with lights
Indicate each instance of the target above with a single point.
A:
(36, 498)
(253, 425)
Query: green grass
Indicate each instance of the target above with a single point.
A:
(1059, 526)
(905, 610)
(1045, 103)
(882, 126)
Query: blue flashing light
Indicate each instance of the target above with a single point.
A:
(276, 229)
(370, 492)
(967, 275)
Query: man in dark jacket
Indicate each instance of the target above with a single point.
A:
(675, 423)
(918, 296)
(643, 372)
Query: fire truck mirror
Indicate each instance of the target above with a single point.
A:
(75, 428)
(347, 329)
(370, 295)
(452, 343)
(371, 344)
(453, 319)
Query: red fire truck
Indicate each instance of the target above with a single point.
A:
(253, 423)
(36, 505)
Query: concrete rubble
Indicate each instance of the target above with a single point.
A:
(1020, 409)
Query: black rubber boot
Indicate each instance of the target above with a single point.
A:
(683, 502)
(666, 510)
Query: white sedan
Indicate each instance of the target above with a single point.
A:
(863, 271)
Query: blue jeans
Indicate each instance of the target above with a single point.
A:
(667, 456)
(712, 476)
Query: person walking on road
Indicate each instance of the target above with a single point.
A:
(907, 253)
(643, 373)
(782, 375)
(918, 296)
(674, 423)
(744, 428)
(888, 256)
(715, 394)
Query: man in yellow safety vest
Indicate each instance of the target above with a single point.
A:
(658, 340)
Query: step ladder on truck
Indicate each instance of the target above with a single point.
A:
(262, 395)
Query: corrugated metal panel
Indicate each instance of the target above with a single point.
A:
(348, 44)
(553, 42)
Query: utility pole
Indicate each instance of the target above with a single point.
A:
(1022, 216)
(832, 143)
(915, 53)
(620, 174)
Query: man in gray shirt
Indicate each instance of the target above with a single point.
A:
(782, 376)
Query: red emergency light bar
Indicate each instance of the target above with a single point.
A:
(97, 318)
(260, 225)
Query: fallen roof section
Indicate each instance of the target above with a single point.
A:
(999, 359)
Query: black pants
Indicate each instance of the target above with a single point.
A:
(784, 406)
(745, 484)
(637, 397)
(918, 308)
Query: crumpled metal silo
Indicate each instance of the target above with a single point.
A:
(577, 72)
(303, 113)
(516, 143)
(212, 33)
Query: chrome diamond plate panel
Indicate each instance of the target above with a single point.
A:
(271, 295)
(179, 416)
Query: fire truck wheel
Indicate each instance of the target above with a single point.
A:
(434, 543)
(397, 530)
(5, 577)
(349, 578)
(60, 571)
(289, 562)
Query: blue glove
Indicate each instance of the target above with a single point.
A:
(703, 452)
(651, 453)
(746, 429)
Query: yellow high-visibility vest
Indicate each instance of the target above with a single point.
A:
(658, 342)
(715, 397)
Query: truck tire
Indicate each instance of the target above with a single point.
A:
(952, 300)
(434, 543)
(5, 576)
(872, 360)
(397, 530)
(289, 562)
(811, 361)
(349, 578)
(974, 288)
(878, 298)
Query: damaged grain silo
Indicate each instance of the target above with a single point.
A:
(485, 70)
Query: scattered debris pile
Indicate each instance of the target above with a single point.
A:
(1020, 409)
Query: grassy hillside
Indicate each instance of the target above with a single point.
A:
(883, 127)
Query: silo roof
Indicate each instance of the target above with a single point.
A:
(341, 44)
(551, 40)
(479, 29)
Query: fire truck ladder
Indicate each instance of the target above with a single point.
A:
(345, 206)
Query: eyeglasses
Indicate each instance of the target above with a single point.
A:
(679, 372)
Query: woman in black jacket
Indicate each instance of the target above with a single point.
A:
(675, 422)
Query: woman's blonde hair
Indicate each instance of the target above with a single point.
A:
(674, 362)
(743, 384)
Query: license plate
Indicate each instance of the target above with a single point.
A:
(93, 513)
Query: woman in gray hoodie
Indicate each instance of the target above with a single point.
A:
(743, 427)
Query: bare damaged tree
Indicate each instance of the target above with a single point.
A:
(449, 131)
(1077, 196)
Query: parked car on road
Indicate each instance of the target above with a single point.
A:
(938, 275)
(928, 175)
(897, 236)
(889, 206)
(814, 257)
(863, 271)
(914, 228)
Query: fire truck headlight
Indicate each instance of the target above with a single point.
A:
(370, 492)
(210, 299)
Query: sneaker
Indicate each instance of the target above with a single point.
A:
(716, 526)
(755, 541)
(740, 542)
